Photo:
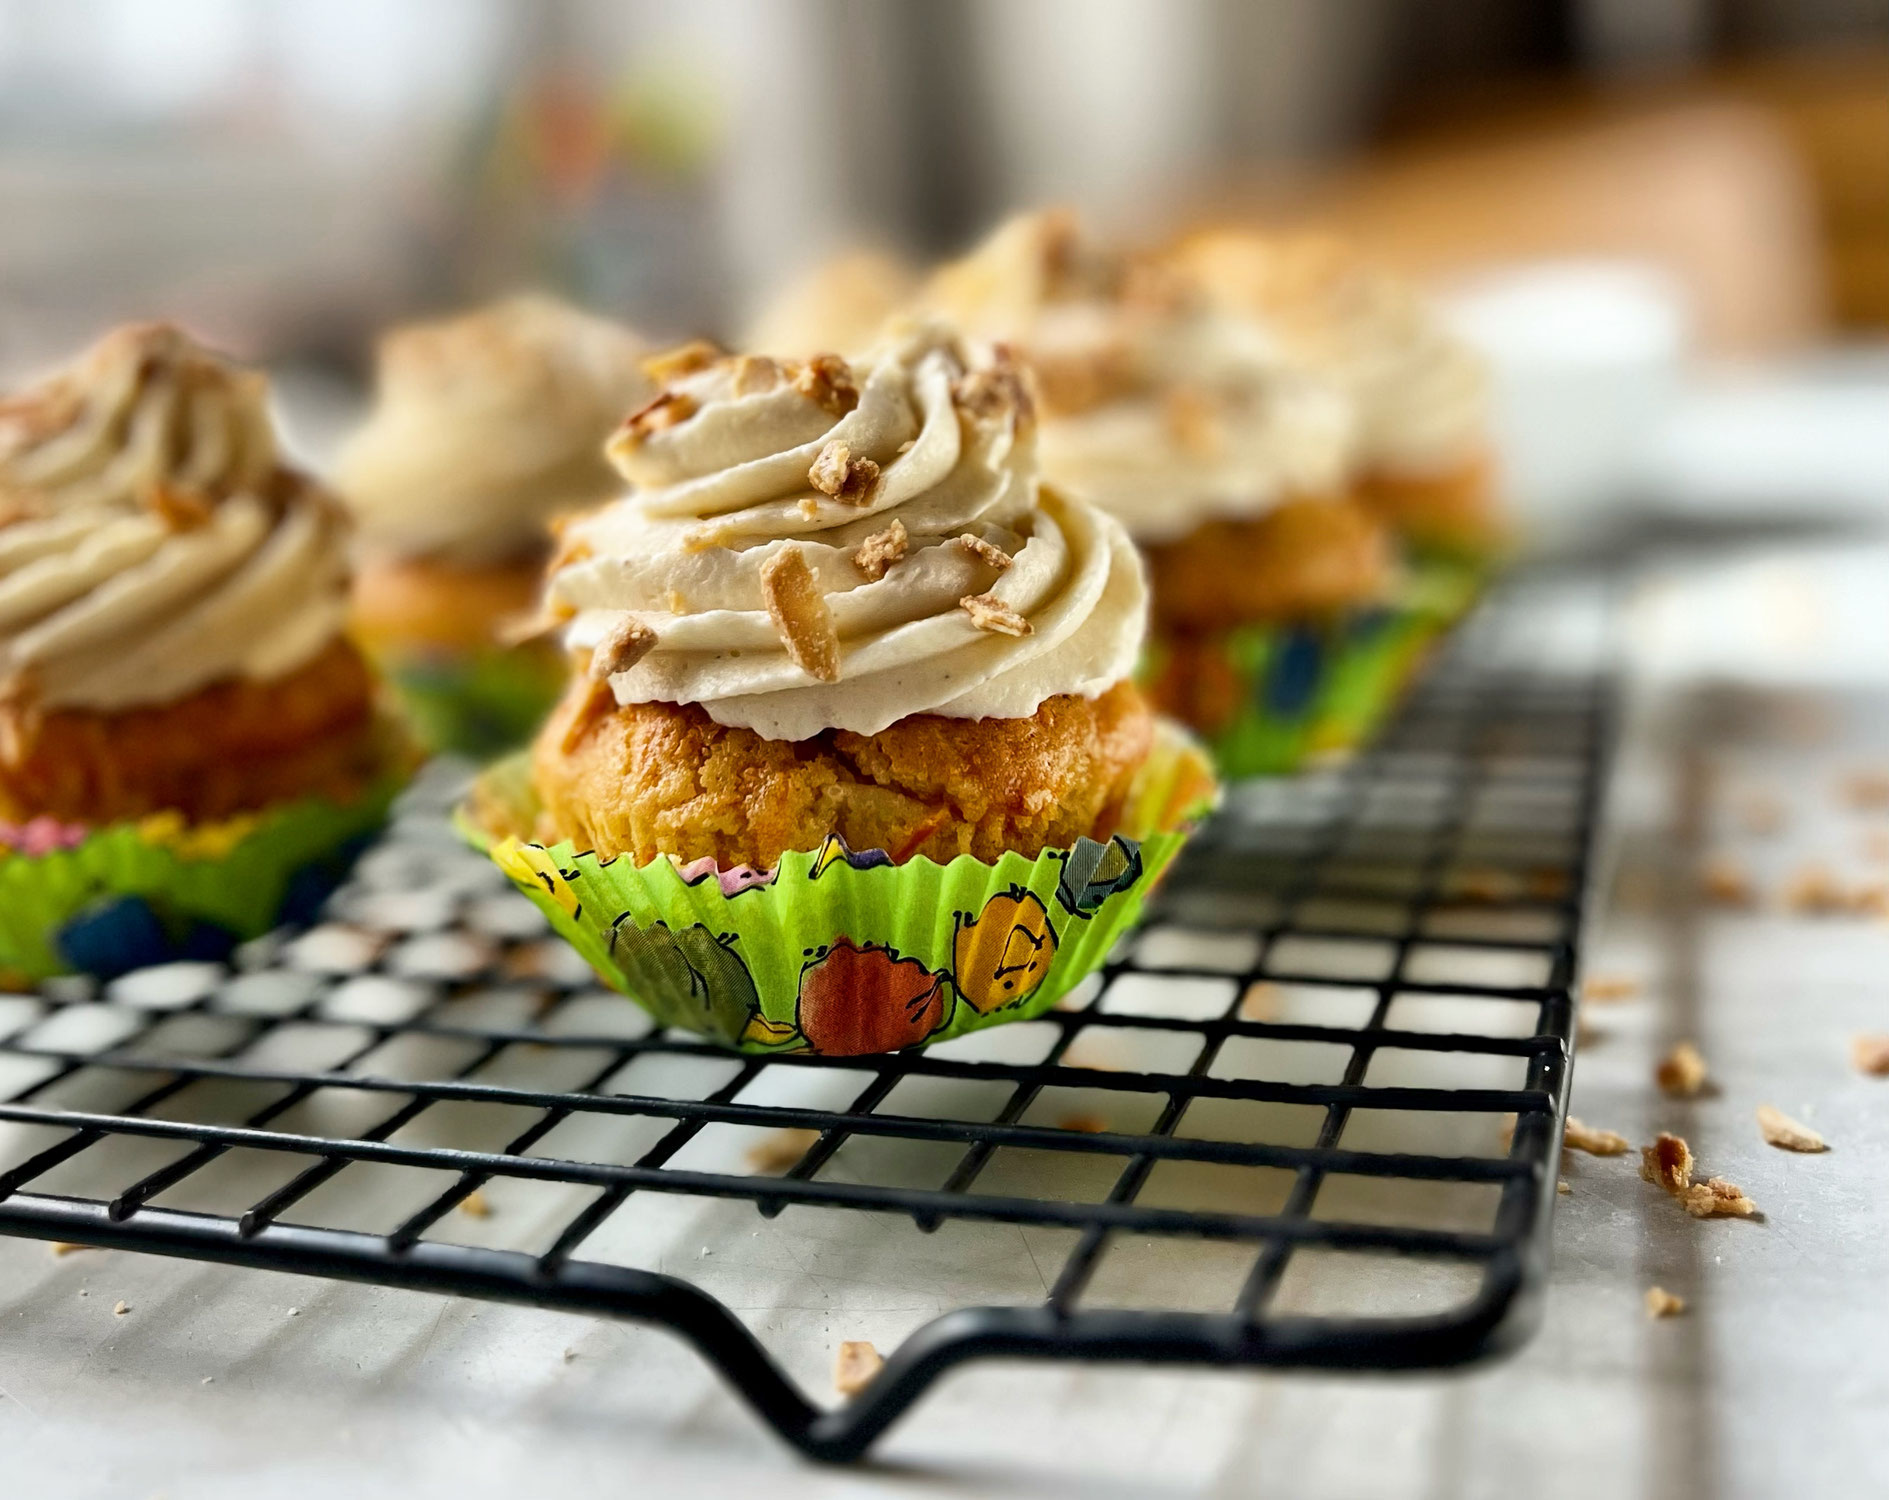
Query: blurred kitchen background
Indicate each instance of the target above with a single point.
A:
(1666, 220)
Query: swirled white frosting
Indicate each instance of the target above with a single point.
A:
(487, 426)
(150, 541)
(1422, 394)
(1162, 406)
(720, 493)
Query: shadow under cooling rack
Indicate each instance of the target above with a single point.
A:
(1306, 1117)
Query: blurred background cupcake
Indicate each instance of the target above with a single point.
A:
(1232, 463)
(485, 429)
(189, 743)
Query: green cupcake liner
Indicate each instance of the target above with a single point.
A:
(107, 900)
(842, 952)
(1303, 692)
(479, 703)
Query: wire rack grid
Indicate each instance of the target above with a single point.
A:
(1335, 1056)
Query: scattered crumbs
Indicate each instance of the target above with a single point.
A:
(1871, 1055)
(780, 1150)
(63, 1248)
(703, 1253)
(120, 1308)
(1717, 1198)
(990, 613)
(1086, 1124)
(296, 1312)
(878, 553)
(1661, 1303)
(985, 552)
(1868, 788)
(476, 1205)
(1814, 892)
(623, 645)
(857, 1363)
(1562, 1187)
(83, 1292)
(1876, 844)
(1506, 1131)
(1780, 1130)
(1587, 1034)
(1681, 1073)
(1606, 989)
(1725, 882)
(207, 1380)
(569, 1355)
(1579, 1137)
(1667, 1163)
(1260, 1002)
(1489, 885)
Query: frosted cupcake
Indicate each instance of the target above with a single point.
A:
(1422, 395)
(185, 730)
(846, 674)
(842, 303)
(1229, 461)
(487, 427)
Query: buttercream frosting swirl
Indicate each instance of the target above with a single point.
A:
(810, 546)
(488, 425)
(1161, 405)
(1422, 394)
(151, 540)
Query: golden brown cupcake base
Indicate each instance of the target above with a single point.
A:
(427, 604)
(1456, 510)
(658, 778)
(230, 748)
(1307, 557)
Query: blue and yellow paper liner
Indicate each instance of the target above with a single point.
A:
(479, 703)
(1296, 693)
(840, 952)
(157, 889)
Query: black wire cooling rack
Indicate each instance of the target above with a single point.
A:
(1334, 1060)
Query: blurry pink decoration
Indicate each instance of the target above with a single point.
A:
(733, 881)
(42, 835)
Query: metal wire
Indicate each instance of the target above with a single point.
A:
(1463, 839)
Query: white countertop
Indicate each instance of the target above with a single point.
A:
(1774, 1380)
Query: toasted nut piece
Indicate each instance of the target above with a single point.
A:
(1579, 1137)
(1261, 1001)
(1681, 1072)
(1715, 1198)
(995, 390)
(827, 381)
(881, 550)
(985, 551)
(1661, 1303)
(628, 642)
(800, 613)
(664, 411)
(1779, 1129)
(780, 1150)
(178, 508)
(1871, 1055)
(1725, 882)
(858, 1362)
(1562, 1187)
(845, 478)
(62, 1248)
(1667, 1163)
(684, 359)
(120, 1308)
(755, 373)
(1605, 989)
(988, 612)
(475, 1205)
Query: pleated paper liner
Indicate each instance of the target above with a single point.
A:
(110, 899)
(478, 703)
(1270, 699)
(840, 951)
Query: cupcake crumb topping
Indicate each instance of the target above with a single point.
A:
(841, 475)
(626, 644)
(988, 612)
(878, 553)
(683, 359)
(827, 381)
(800, 614)
(986, 552)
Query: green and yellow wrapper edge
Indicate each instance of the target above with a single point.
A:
(844, 953)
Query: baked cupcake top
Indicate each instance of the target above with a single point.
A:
(1422, 394)
(488, 425)
(151, 540)
(1161, 405)
(842, 303)
(810, 545)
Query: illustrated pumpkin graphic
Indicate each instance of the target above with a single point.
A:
(1003, 956)
(1093, 872)
(532, 864)
(689, 977)
(857, 998)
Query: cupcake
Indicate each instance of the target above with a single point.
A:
(851, 758)
(1422, 396)
(1275, 587)
(841, 303)
(486, 428)
(188, 740)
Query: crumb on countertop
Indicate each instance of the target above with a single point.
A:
(1681, 1072)
(1260, 1002)
(1726, 882)
(1562, 1187)
(1780, 1130)
(1661, 1303)
(120, 1308)
(1086, 1124)
(1760, 812)
(1580, 1137)
(476, 1205)
(1867, 788)
(855, 1367)
(1668, 1164)
(1871, 1055)
(1605, 989)
(780, 1150)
